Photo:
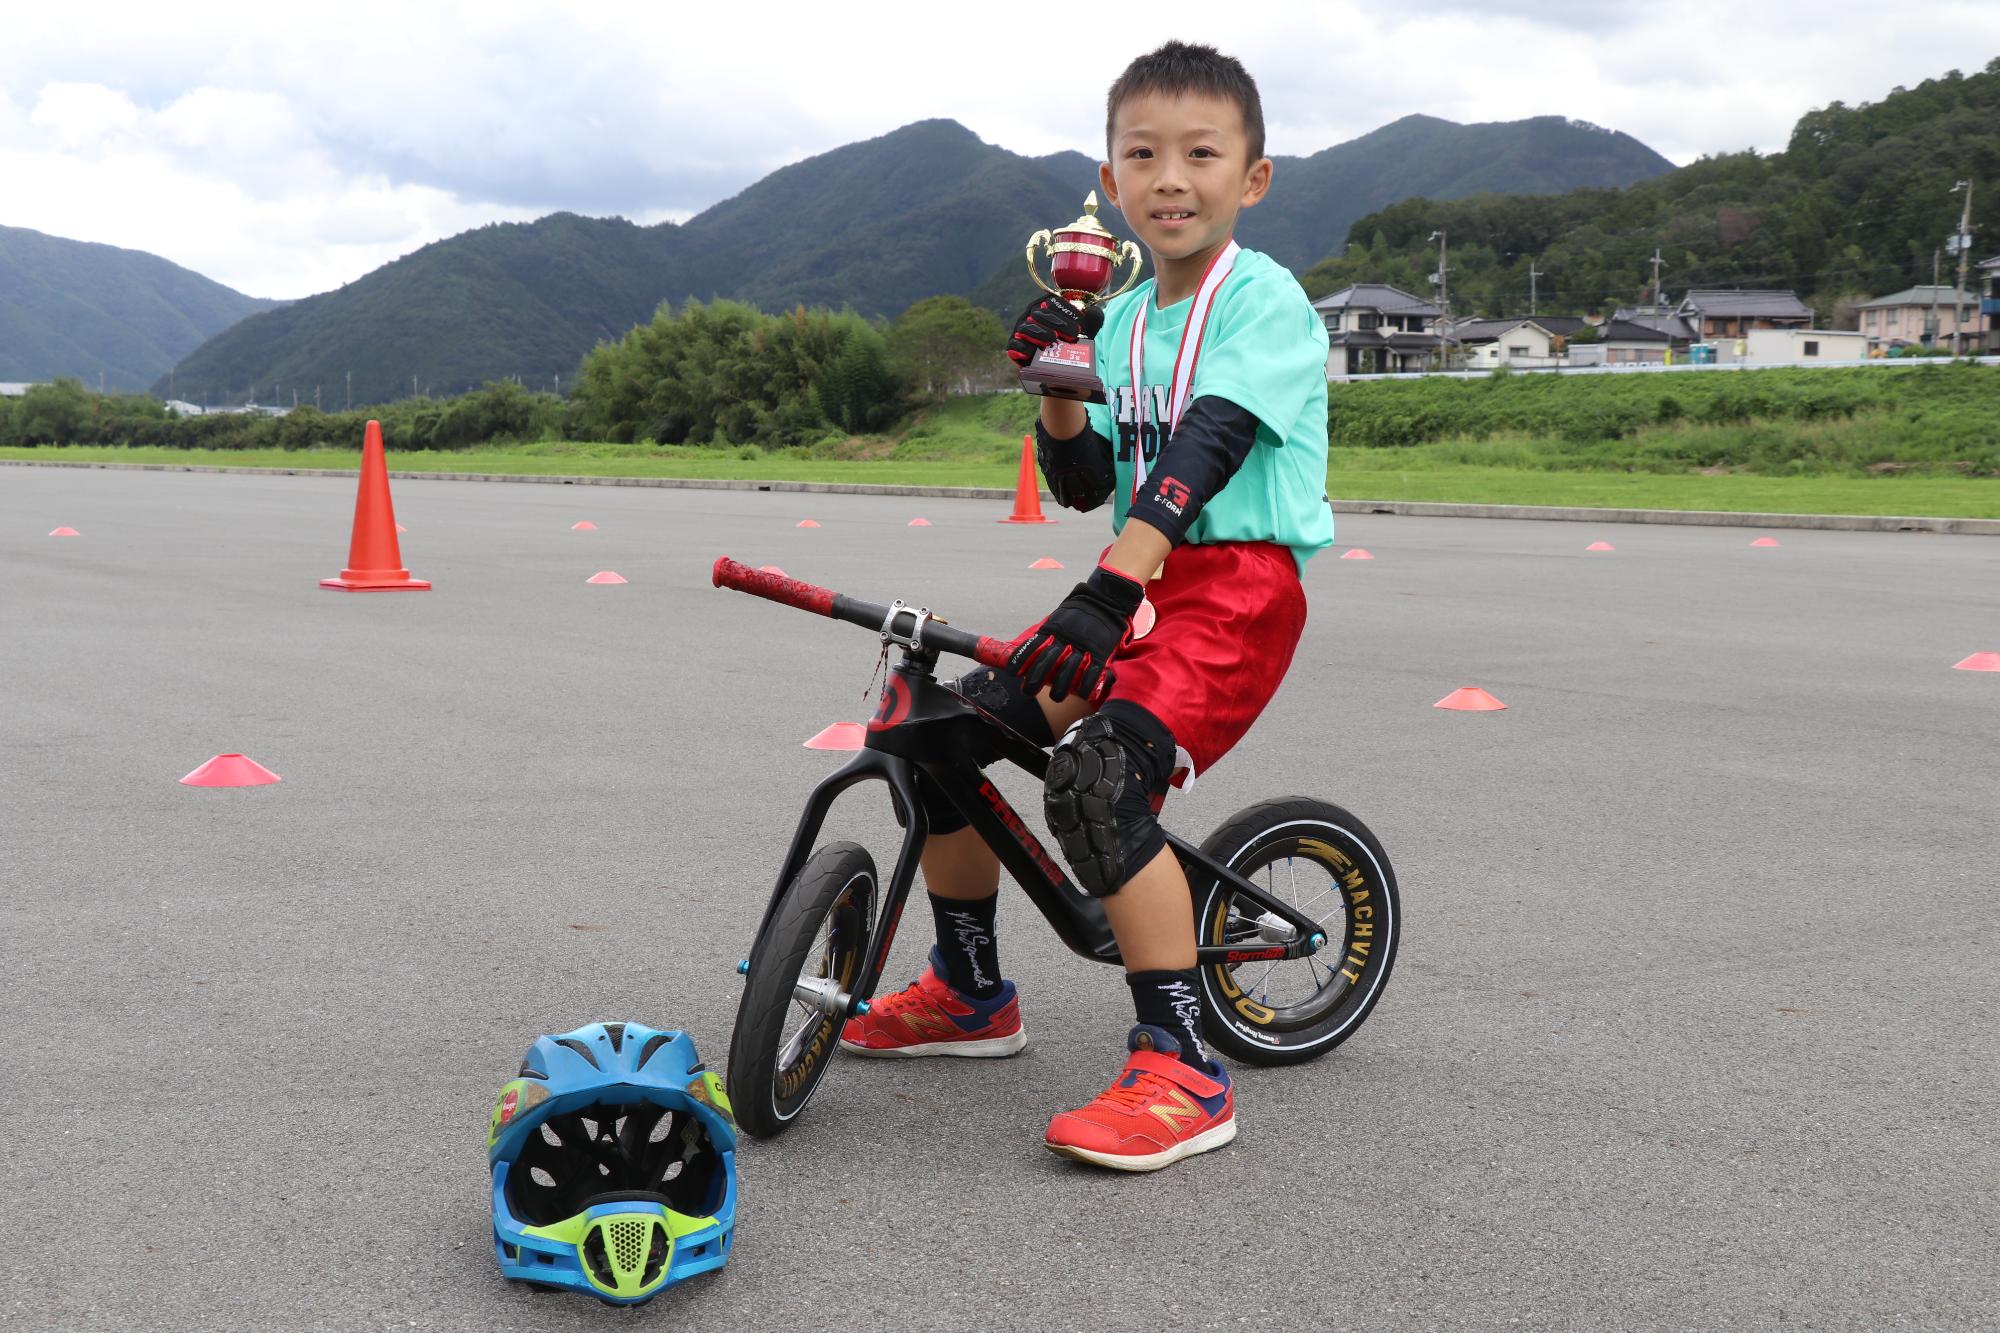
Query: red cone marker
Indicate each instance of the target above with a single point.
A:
(1027, 490)
(920, 523)
(1979, 662)
(230, 770)
(1470, 699)
(806, 523)
(1356, 554)
(839, 736)
(1765, 541)
(374, 561)
(1047, 562)
(65, 532)
(585, 526)
(605, 576)
(773, 569)
(1600, 546)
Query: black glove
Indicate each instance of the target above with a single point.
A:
(1071, 650)
(1051, 319)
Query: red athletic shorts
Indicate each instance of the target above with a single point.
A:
(1229, 617)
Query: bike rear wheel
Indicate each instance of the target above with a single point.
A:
(1323, 861)
(818, 936)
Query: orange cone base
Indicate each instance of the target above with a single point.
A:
(1979, 662)
(1032, 518)
(230, 770)
(839, 736)
(375, 580)
(1470, 699)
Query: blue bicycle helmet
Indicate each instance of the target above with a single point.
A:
(614, 1164)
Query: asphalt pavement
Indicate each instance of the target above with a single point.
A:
(1694, 1023)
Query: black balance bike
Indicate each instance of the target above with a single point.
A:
(1296, 915)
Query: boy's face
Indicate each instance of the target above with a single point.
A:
(1181, 171)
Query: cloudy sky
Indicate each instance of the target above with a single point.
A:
(284, 153)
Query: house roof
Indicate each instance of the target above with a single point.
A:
(1561, 325)
(1993, 263)
(1379, 296)
(1672, 325)
(1631, 331)
(1491, 330)
(1921, 295)
(1729, 302)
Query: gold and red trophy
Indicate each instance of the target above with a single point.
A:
(1083, 259)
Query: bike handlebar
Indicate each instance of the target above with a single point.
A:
(902, 624)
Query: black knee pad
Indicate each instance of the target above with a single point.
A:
(1002, 694)
(1102, 797)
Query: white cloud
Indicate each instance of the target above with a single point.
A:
(283, 157)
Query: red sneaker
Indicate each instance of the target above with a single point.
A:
(1158, 1111)
(928, 1017)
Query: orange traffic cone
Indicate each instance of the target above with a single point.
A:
(375, 562)
(1027, 491)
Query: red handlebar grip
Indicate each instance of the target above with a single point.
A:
(773, 587)
(993, 652)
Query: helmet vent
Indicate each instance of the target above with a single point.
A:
(616, 1031)
(653, 1043)
(573, 1044)
(628, 1241)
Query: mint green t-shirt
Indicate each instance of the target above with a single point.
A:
(1265, 351)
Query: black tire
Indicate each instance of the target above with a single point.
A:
(781, 1048)
(1351, 875)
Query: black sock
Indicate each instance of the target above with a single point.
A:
(965, 943)
(1172, 1000)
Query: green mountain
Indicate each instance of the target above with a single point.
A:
(97, 312)
(877, 225)
(1856, 204)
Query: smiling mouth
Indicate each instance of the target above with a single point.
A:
(1172, 215)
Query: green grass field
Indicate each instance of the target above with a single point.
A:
(1803, 442)
(1354, 474)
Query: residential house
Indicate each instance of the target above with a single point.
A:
(1989, 306)
(1373, 329)
(14, 389)
(1519, 342)
(1643, 341)
(1730, 312)
(1680, 334)
(1903, 319)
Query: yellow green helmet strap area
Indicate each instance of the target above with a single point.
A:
(626, 1255)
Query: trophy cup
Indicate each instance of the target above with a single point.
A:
(1083, 258)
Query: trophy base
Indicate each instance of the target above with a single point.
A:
(1065, 370)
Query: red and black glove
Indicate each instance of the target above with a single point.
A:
(1050, 320)
(1073, 648)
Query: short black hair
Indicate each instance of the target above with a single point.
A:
(1180, 68)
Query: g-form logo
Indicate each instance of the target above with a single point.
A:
(1174, 495)
(893, 706)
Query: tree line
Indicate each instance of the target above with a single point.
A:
(700, 373)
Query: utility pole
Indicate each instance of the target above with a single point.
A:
(1533, 274)
(1656, 280)
(350, 391)
(1964, 253)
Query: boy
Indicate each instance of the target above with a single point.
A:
(1215, 443)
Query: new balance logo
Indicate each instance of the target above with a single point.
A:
(923, 1024)
(1177, 1111)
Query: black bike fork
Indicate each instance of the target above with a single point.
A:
(900, 775)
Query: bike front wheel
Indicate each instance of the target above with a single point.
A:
(814, 947)
(1321, 860)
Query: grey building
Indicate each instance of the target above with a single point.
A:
(1373, 329)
